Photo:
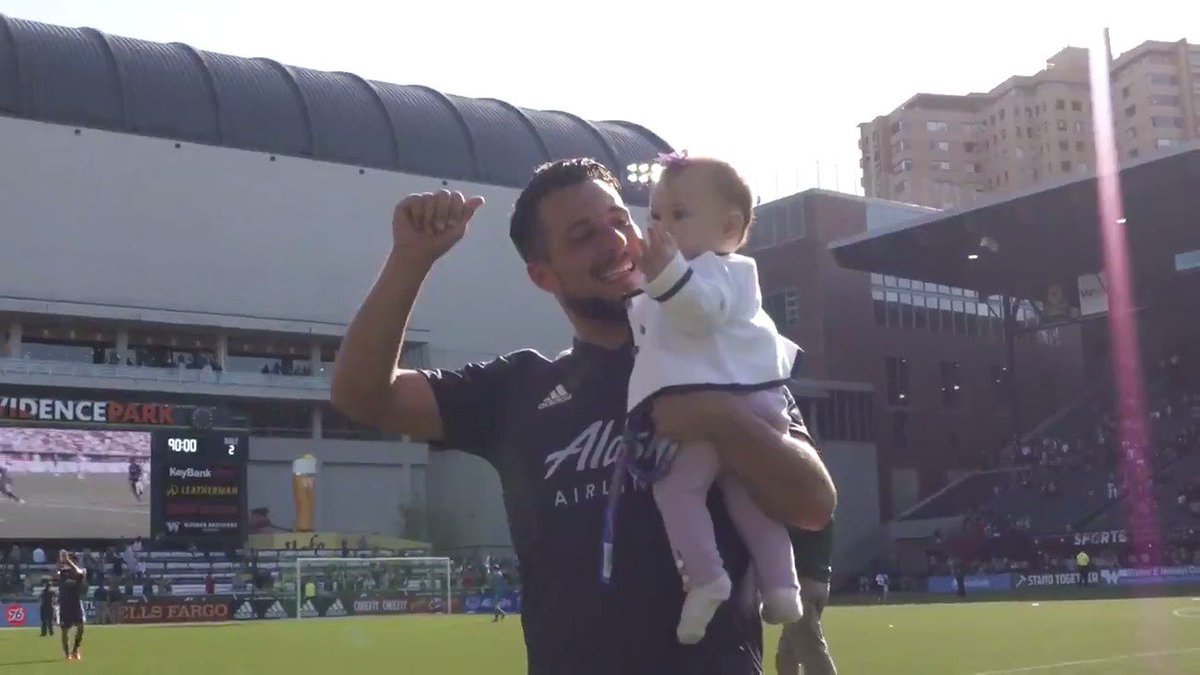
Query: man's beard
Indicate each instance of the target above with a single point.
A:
(597, 309)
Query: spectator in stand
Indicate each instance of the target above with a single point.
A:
(114, 602)
(210, 583)
(100, 596)
(39, 556)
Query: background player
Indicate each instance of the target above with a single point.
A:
(6, 486)
(72, 581)
(499, 585)
(47, 608)
(135, 478)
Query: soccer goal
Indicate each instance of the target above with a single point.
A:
(354, 586)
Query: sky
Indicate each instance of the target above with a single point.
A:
(777, 87)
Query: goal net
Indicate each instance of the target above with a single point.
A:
(336, 586)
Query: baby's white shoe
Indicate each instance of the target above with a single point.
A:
(782, 606)
(698, 609)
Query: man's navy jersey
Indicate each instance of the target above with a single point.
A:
(70, 596)
(552, 430)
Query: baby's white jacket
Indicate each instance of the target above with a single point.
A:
(701, 324)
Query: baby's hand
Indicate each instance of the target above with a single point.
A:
(658, 250)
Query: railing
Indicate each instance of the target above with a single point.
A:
(151, 374)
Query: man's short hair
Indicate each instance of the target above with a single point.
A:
(729, 185)
(524, 228)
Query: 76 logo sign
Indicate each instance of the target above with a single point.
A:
(14, 615)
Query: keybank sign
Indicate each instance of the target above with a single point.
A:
(189, 473)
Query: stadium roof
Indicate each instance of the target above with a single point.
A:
(87, 78)
(1041, 236)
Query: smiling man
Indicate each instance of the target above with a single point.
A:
(552, 428)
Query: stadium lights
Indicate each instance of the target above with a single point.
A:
(644, 173)
(973, 256)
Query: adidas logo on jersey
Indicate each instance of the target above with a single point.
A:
(276, 611)
(245, 611)
(558, 395)
(336, 609)
(308, 611)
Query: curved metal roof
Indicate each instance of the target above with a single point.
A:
(83, 77)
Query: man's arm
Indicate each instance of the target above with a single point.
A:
(784, 474)
(367, 386)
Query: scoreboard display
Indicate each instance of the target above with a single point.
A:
(100, 467)
(200, 485)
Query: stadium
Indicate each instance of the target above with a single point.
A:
(187, 235)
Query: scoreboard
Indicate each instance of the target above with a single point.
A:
(105, 467)
(199, 479)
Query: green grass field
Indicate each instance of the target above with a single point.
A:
(1111, 637)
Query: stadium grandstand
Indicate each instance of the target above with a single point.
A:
(1115, 474)
(187, 234)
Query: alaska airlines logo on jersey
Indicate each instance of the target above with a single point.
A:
(593, 452)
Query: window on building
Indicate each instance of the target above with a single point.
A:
(1062, 125)
(920, 314)
(1002, 113)
(844, 416)
(1167, 122)
(969, 146)
(1080, 146)
(1163, 79)
(998, 376)
(1125, 92)
(1060, 104)
(900, 428)
(939, 146)
(1133, 153)
(1064, 145)
(1131, 110)
(893, 310)
(935, 319)
(1077, 106)
(1029, 132)
(1164, 142)
(879, 306)
(1078, 126)
(897, 380)
(903, 165)
(952, 384)
(935, 126)
(941, 166)
(1066, 165)
(947, 314)
(775, 306)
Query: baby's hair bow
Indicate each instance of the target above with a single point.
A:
(666, 159)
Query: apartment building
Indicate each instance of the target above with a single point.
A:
(946, 150)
